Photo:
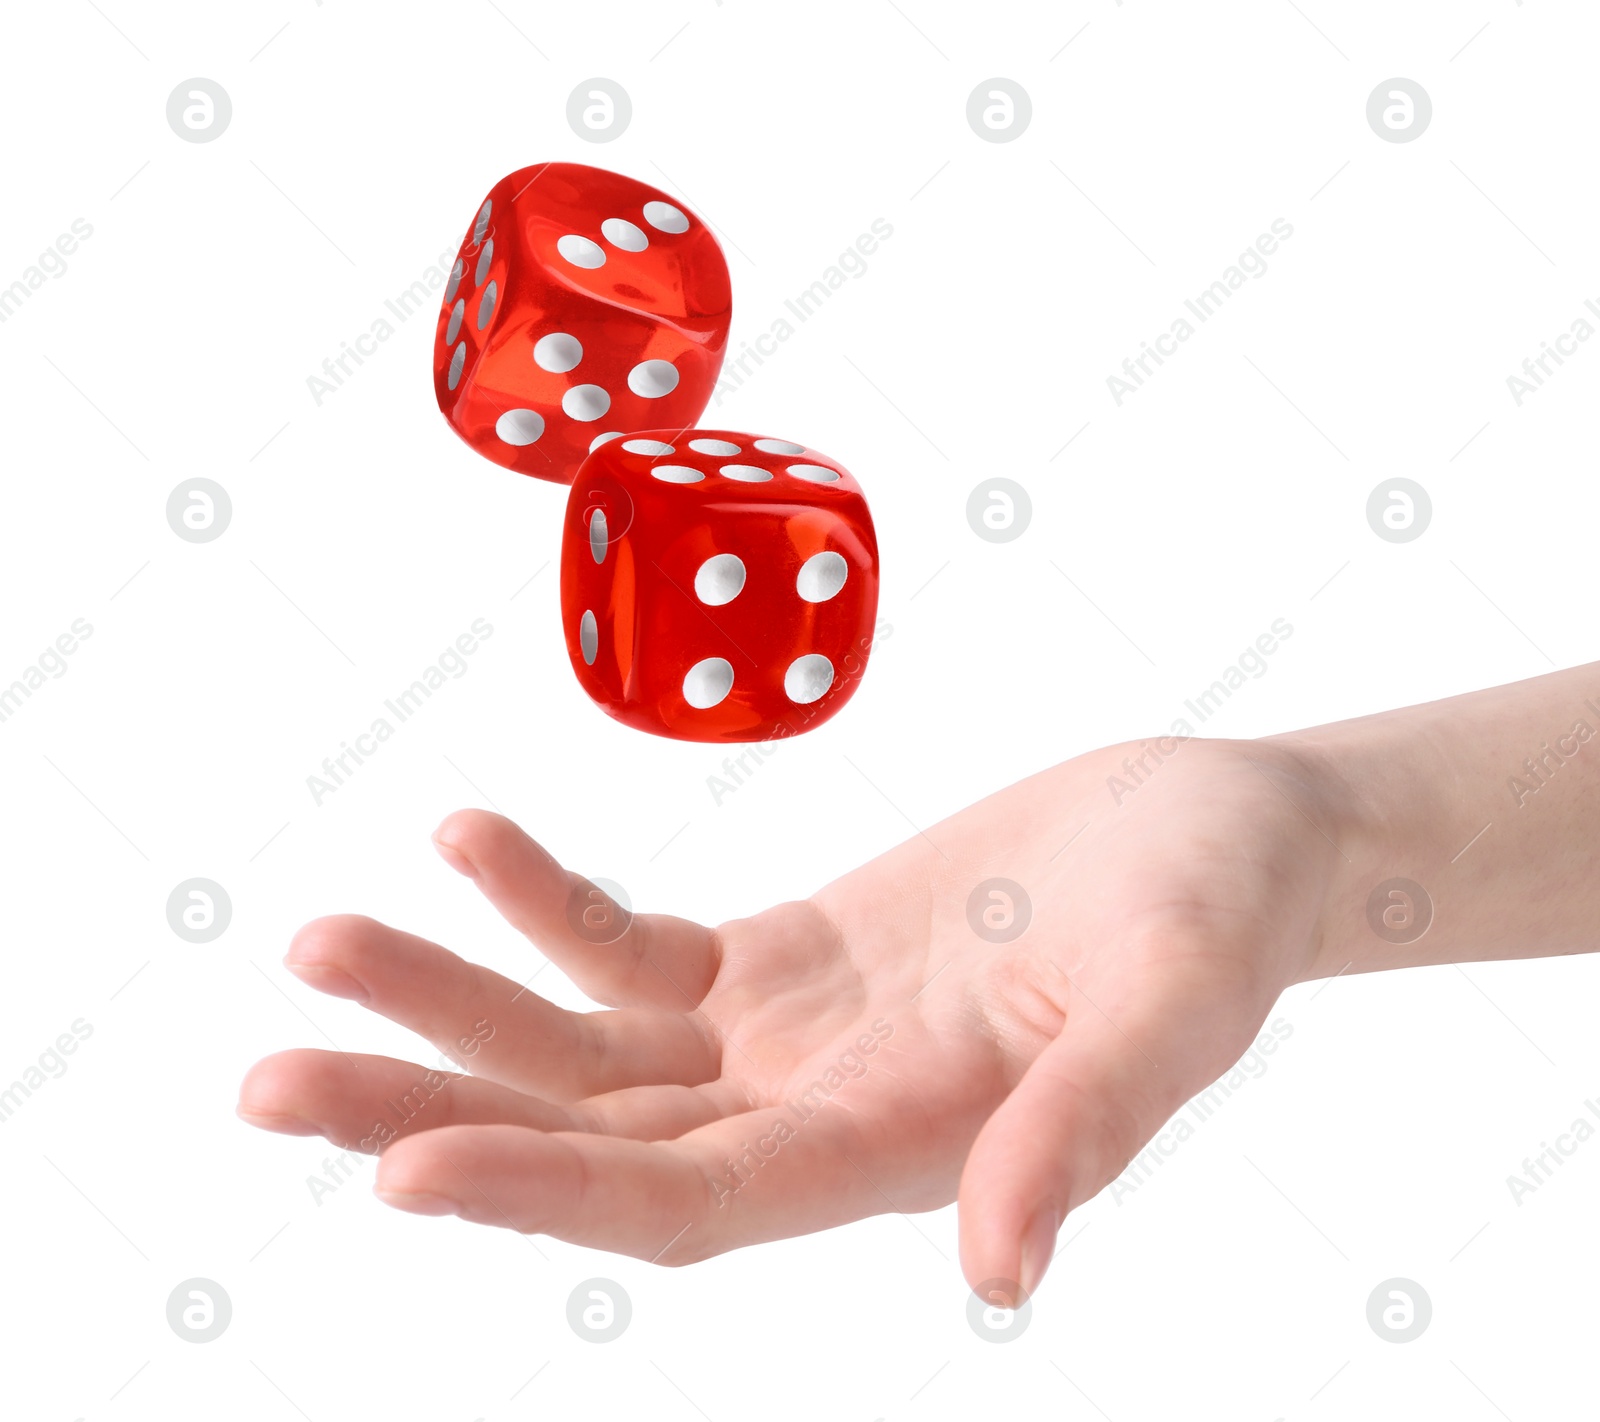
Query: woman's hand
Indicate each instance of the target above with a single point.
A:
(891, 1043)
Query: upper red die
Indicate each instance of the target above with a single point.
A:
(582, 304)
(717, 586)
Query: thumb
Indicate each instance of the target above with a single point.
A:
(1088, 1104)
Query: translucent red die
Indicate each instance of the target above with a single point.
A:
(582, 304)
(717, 586)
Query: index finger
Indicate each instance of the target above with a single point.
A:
(617, 957)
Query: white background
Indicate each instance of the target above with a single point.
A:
(1170, 533)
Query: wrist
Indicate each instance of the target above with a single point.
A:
(1375, 795)
(1466, 829)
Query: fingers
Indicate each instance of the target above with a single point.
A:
(1091, 1100)
(492, 1026)
(365, 1102)
(758, 1176)
(650, 960)
(656, 1113)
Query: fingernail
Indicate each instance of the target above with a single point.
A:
(276, 1121)
(456, 859)
(1038, 1249)
(418, 1202)
(333, 981)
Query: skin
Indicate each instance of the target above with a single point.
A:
(1017, 1077)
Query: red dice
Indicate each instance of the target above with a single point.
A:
(717, 586)
(582, 304)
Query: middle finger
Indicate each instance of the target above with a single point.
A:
(493, 1027)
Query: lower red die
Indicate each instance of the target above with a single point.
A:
(717, 586)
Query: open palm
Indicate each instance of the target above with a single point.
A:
(913, 1032)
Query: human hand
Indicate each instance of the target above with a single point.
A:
(861, 1051)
